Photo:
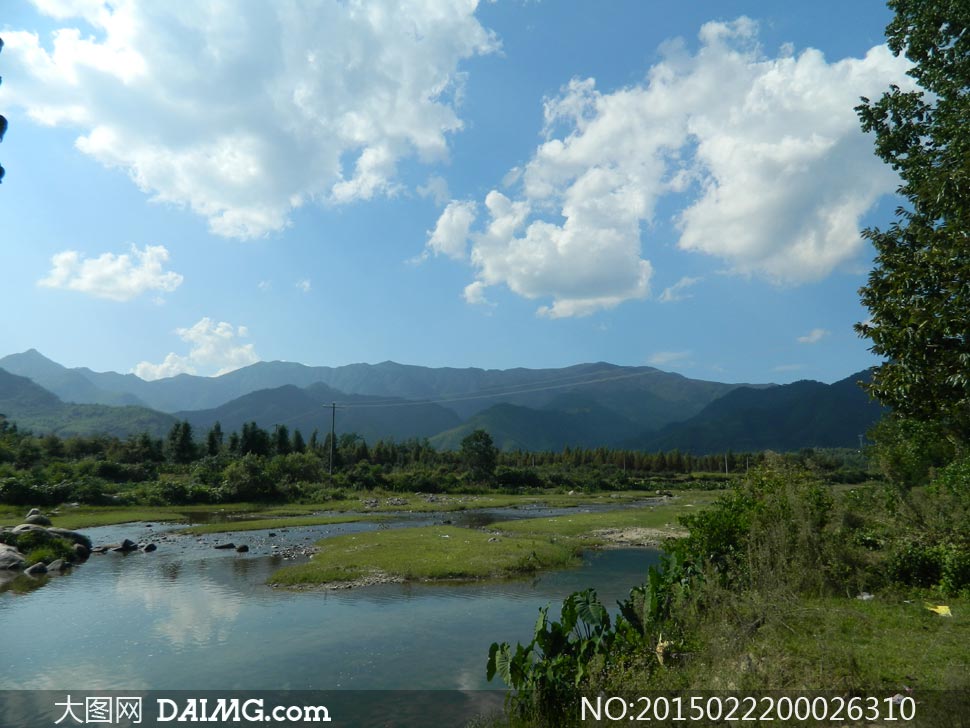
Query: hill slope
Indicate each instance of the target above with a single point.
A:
(587, 405)
(569, 420)
(787, 417)
(34, 408)
(71, 385)
(647, 397)
(306, 409)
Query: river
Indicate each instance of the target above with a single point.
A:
(190, 617)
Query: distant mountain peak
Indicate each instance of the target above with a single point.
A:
(32, 356)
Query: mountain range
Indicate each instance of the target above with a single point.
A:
(589, 405)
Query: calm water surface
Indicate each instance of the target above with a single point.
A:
(190, 617)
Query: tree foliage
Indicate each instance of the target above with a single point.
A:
(918, 293)
(180, 445)
(3, 121)
(479, 454)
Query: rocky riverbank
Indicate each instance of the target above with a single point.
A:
(37, 547)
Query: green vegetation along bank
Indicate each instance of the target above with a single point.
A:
(503, 549)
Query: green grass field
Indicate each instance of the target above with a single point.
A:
(425, 553)
(662, 518)
(386, 502)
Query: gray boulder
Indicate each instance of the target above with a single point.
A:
(38, 519)
(81, 551)
(58, 565)
(149, 547)
(229, 545)
(126, 546)
(10, 558)
(33, 512)
(25, 527)
(242, 549)
(36, 570)
(71, 536)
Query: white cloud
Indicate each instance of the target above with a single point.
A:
(475, 294)
(450, 234)
(115, 277)
(589, 263)
(214, 349)
(676, 292)
(437, 189)
(813, 337)
(265, 285)
(666, 358)
(244, 112)
(304, 285)
(762, 156)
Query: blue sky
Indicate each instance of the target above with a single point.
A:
(197, 186)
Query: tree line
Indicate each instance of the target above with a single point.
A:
(256, 463)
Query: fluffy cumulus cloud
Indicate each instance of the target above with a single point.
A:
(761, 156)
(450, 234)
(214, 348)
(115, 277)
(244, 111)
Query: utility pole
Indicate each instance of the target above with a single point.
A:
(333, 435)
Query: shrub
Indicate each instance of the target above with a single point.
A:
(86, 489)
(17, 492)
(907, 451)
(247, 479)
(518, 478)
(916, 564)
(955, 576)
(295, 467)
(547, 673)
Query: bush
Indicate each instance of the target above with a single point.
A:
(907, 451)
(295, 468)
(365, 476)
(518, 478)
(208, 470)
(956, 571)
(548, 672)
(17, 492)
(916, 564)
(87, 489)
(247, 479)
(124, 473)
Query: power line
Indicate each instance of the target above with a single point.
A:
(507, 393)
(508, 389)
(563, 383)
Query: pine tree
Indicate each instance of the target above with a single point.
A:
(281, 440)
(181, 447)
(213, 441)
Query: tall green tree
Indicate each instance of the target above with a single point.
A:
(281, 440)
(479, 454)
(180, 445)
(213, 441)
(254, 440)
(918, 293)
